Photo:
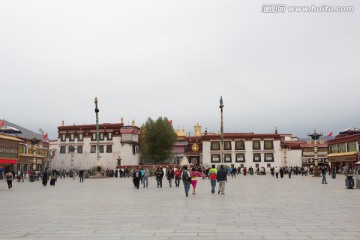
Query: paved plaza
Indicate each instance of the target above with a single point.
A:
(254, 207)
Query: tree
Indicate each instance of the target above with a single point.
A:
(157, 140)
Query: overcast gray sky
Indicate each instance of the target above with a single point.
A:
(294, 71)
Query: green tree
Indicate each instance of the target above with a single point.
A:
(157, 140)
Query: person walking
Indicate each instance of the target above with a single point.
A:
(281, 172)
(277, 172)
(81, 175)
(159, 176)
(136, 178)
(194, 174)
(19, 176)
(45, 178)
(146, 177)
(323, 172)
(177, 175)
(212, 177)
(142, 172)
(290, 171)
(22, 176)
(186, 177)
(170, 175)
(53, 177)
(221, 178)
(9, 178)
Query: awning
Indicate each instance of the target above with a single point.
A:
(344, 154)
(343, 157)
(8, 161)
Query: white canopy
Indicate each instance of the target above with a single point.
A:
(184, 161)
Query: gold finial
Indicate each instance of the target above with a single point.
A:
(62, 123)
(122, 120)
(197, 130)
(133, 123)
(95, 100)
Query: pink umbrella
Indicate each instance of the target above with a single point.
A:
(196, 174)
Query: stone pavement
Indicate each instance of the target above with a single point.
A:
(254, 207)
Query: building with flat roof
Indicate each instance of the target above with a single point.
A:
(33, 149)
(75, 147)
(244, 149)
(344, 149)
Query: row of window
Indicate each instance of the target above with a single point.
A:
(343, 147)
(102, 148)
(240, 157)
(80, 136)
(240, 145)
(79, 149)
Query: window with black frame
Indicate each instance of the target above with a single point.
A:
(93, 149)
(240, 157)
(62, 149)
(215, 158)
(256, 145)
(257, 157)
(215, 145)
(101, 148)
(268, 144)
(80, 149)
(227, 145)
(109, 148)
(240, 145)
(93, 137)
(80, 137)
(63, 137)
(227, 158)
(269, 157)
(109, 136)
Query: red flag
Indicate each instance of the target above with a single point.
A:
(45, 136)
(2, 123)
(170, 121)
(330, 134)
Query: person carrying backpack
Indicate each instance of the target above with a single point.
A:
(186, 177)
(9, 178)
(212, 177)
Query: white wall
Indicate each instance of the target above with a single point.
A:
(88, 160)
(293, 156)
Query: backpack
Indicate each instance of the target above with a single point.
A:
(186, 176)
(212, 176)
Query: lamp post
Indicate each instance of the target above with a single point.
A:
(34, 143)
(97, 132)
(222, 130)
(119, 161)
(72, 150)
(315, 136)
(285, 148)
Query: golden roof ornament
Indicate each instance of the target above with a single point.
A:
(197, 130)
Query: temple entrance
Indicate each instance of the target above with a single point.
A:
(194, 160)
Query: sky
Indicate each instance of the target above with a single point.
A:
(294, 71)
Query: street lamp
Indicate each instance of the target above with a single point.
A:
(99, 164)
(119, 161)
(34, 143)
(222, 130)
(72, 150)
(97, 132)
(315, 136)
(285, 148)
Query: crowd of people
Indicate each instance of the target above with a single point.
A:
(216, 175)
(140, 175)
